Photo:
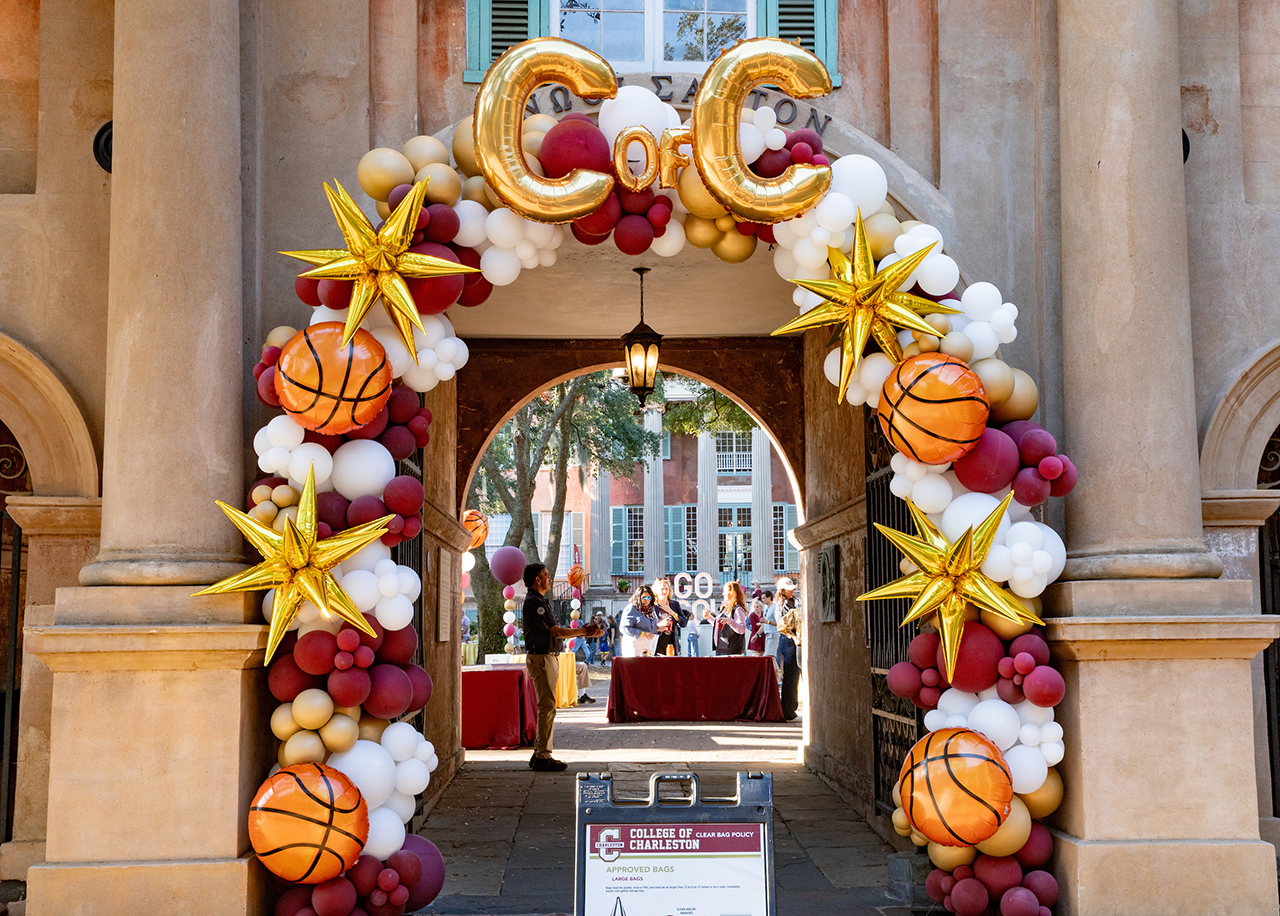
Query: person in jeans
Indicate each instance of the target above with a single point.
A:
(770, 627)
(790, 628)
(542, 639)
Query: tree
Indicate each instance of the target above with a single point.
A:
(591, 422)
(708, 411)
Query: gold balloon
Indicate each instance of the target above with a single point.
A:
(949, 858)
(957, 344)
(1022, 404)
(533, 145)
(282, 724)
(882, 230)
(901, 823)
(284, 495)
(312, 708)
(538, 123)
(887, 207)
(283, 517)
(352, 711)
(911, 349)
(260, 493)
(464, 146)
(940, 323)
(733, 247)
(701, 233)
(693, 194)
(500, 107)
(629, 135)
(996, 377)
(919, 838)
(1003, 627)
(717, 112)
(726, 223)
(1012, 834)
(381, 170)
(280, 336)
(264, 512)
(340, 733)
(670, 159)
(303, 747)
(1046, 799)
(371, 727)
(475, 189)
(424, 150)
(443, 184)
(927, 343)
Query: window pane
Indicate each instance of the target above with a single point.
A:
(682, 36)
(727, 6)
(744, 517)
(624, 36)
(582, 27)
(723, 31)
(683, 5)
(624, 4)
(579, 4)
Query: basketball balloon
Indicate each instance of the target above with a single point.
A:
(955, 787)
(475, 522)
(328, 387)
(308, 823)
(933, 408)
(576, 575)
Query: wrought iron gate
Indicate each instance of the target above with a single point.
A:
(1269, 576)
(12, 538)
(895, 723)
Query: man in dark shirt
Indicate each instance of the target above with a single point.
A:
(542, 650)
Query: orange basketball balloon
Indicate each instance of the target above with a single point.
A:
(955, 787)
(329, 387)
(475, 522)
(576, 575)
(308, 823)
(933, 408)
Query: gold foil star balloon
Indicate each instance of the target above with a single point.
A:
(948, 577)
(378, 261)
(866, 304)
(297, 565)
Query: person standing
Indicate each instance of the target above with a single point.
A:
(755, 628)
(729, 636)
(640, 626)
(790, 629)
(668, 606)
(542, 638)
(770, 627)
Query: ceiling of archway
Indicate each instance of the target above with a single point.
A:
(592, 292)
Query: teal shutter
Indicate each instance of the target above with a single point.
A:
(811, 22)
(495, 25)
(673, 539)
(618, 545)
(793, 555)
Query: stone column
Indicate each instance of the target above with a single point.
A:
(654, 543)
(172, 439)
(761, 508)
(708, 504)
(600, 558)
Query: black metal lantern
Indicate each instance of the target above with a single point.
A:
(640, 349)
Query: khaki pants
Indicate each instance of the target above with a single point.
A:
(545, 671)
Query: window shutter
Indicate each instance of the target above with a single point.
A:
(811, 22)
(793, 555)
(618, 546)
(673, 528)
(495, 25)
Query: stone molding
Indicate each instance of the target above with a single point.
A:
(1118, 638)
(132, 648)
(1238, 508)
(848, 517)
(43, 416)
(445, 527)
(1138, 598)
(1246, 415)
(54, 516)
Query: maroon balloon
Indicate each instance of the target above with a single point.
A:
(421, 682)
(404, 495)
(335, 897)
(471, 258)
(928, 697)
(765, 234)
(293, 900)
(1066, 481)
(1050, 468)
(388, 879)
(331, 508)
(398, 646)
(637, 202)
(399, 441)
(308, 290)
(1043, 885)
(576, 116)
(586, 238)
(432, 295)
(373, 429)
(267, 387)
(574, 144)
(923, 650)
(997, 873)
(1029, 488)
(335, 294)
(362, 656)
(476, 293)
(960, 872)
(330, 443)
(432, 879)
(1036, 444)
(1038, 848)
(350, 687)
(933, 885)
(1019, 902)
(904, 680)
(969, 897)
(390, 693)
(383, 909)
(820, 159)
(412, 525)
(805, 135)
(1010, 692)
(314, 652)
(929, 677)
(1044, 687)
(365, 509)
(1019, 428)
(507, 565)
(398, 194)
(364, 874)
(633, 235)
(443, 223)
(978, 662)
(403, 404)
(658, 216)
(286, 680)
(772, 163)
(399, 896)
(407, 865)
(990, 465)
(1032, 644)
(603, 218)
(802, 153)
(947, 884)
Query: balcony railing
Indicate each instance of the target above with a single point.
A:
(733, 462)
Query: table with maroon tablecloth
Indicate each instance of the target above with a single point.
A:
(683, 689)
(499, 708)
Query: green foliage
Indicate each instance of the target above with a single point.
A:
(709, 411)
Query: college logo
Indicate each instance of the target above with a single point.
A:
(609, 844)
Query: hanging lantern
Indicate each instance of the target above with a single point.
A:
(640, 349)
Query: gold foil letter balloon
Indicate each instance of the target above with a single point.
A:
(716, 115)
(500, 110)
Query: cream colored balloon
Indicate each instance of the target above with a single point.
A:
(909, 224)
(1012, 834)
(288, 512)
(1046, 799)
(539, 123)
(1022, 404)
(949, 858)
(284, 495)
(927, 343)
(423, 150)
(939, 322)
(701, 233)
(733, 247)
(887, 207)
(695, 196)
(312, 708)
(282, 724)
(444, 186)
(958, 345)
(474, 189)
(353, 711)
(911, 349)
(996, 376)
(340, 733)
(383, 209)
(1003, 627)
(881, 229)
(381, 170)
(261, 492)
(304, 747)
(464, 146)
(280, 336)
(901, 823)
(264, 512)
(371, 727)
(533, 144)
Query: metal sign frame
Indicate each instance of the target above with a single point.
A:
(597, 804)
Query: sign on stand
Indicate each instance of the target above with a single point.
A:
(674, 856)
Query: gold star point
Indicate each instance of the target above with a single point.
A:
(298, 565)
(949, 577)
(866, 304)
(378, 261)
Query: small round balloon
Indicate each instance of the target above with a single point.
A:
(507, 565)
(475, 521)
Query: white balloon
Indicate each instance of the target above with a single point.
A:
(362, 586)
(1053, 545)
(671, 242)
(400, 739)
(276, 459)
(957, 722)
(264, 465)
(445, 371)
(547, 257)
(373, 771)
(1021, 553)
(505, 228)
(931, 493)
(384, 567)
(835, 212)
(990, 693)
(410, 584)
(855, 394)
(362, 467)
(984, 338)
(366, 558)
(526, 250)
(775, 138)
(398, 354)
(1030, 735)
(915, 470)
(873, 370)
(930, 234)
(935, 719)
(464, 353)
(412, 776)
(633, 105)
(426, 750)
(967, 511)
(405, 806)
(1041, 562)
(1030, 713)
(901, 485)
(261, 442)
(998, 564)
(831, 366)
(394, 612)
(860, 179)
(500, 266)
(997, 720)
(955, 702)
(820, 238)
(327, 314)
(447, 349)
(540, 234)
(808, 254)
(1002, 321)
(386, 832)
(433, 331)
(421, 378)
(388, 583)
(1028, 768)
(784, 234)
(1051, 732)
(898, 463)
(472, 217)
(509, 617)
(751, 139)
(980, 301)
(285, 433)
(1053, 752)
(310, 456)
(268, 604)
(938, 274)
(1025, 532)
(307, 613)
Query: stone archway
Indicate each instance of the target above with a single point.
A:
(764, 375)
(1244, 419)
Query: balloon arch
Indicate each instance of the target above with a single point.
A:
(911, 342)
